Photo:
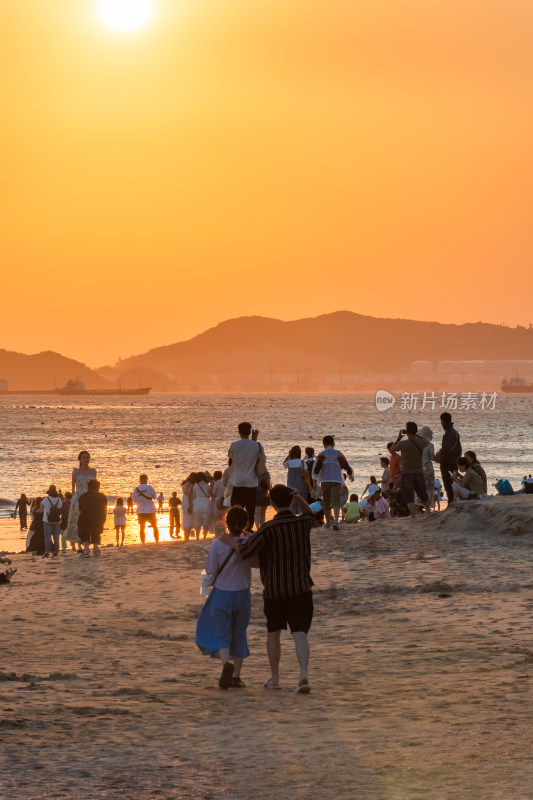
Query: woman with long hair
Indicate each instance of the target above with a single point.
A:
(471, 457)
(81, 476)
(295, 474)
(222, 624)
(186, 506)
(35, 537)
(201, 501)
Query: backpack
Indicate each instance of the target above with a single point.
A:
(503, 487)
(54, 512)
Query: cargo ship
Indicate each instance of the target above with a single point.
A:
(77, 388)
(517, 385)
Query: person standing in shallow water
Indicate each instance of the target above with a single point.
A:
(144, 496)
(174, 504)
(80, 481)
(22, 508)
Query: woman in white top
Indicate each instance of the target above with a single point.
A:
(80, 478)
(201, 503)
(187, 522)
(218, 490)
(119, 518)
(222, 624)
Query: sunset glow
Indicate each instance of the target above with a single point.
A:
(284, 158)
(125, 15)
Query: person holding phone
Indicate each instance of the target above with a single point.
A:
(411, 448)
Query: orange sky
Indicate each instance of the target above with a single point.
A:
(275, 157)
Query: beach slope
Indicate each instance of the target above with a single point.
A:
(422, 657)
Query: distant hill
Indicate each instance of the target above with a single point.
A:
(342, 341)
(45, 371)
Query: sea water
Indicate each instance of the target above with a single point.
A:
(168, 436)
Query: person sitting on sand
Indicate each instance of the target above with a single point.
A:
(119, 518)
(352, 509)
(8, 574)
(224, 618)
(476, 466)
(380, 506)
(144, 496)
(93, 514)
(469, 485)
(283, 545)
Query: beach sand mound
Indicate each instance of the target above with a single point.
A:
(421, 664)
(510, 516)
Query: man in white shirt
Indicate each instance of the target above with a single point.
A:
(328, 472)
(244, 455)
(144, 496)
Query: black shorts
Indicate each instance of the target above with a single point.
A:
(414, 482)
(297, 611)
(90, 533)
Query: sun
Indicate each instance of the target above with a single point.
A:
(125, 15)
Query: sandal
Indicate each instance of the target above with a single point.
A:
(226, 676)
(236, 683)
(269, 685)
(303, 687)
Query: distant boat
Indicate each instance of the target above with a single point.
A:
(517, 385)
(78, 388)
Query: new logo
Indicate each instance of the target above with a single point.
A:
(384, 400)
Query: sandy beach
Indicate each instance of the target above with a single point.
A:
(422, 656)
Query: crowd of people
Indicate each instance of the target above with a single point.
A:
(408, 485)
(232, 502)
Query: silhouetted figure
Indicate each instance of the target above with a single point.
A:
(93, 514)
(22, 508)
(174, 515)
(35, 538)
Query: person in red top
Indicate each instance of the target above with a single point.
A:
(395, 463)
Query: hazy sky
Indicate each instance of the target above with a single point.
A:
(276, 157)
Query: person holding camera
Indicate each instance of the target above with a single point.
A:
(411, 449)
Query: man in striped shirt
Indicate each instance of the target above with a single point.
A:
(283, 546)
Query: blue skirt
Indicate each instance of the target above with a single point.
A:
(223, 622)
